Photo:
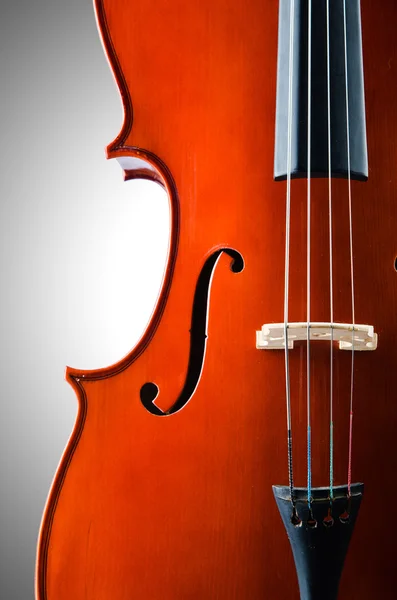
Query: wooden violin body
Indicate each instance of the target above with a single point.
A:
(164, 491)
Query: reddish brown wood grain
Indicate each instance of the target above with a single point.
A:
(181, 507)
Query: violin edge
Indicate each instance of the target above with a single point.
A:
(104, 34)
(51, 503)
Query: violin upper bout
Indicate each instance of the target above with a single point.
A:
(103, 28)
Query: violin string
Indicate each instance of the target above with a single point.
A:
(287, 253)
(309, 126)
(349, 469)
(331, 291)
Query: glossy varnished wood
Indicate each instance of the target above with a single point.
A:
(181, 507)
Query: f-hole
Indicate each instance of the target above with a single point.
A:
(198, 336)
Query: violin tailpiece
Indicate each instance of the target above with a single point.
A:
(321, 538)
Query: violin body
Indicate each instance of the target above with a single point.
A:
(164, 491)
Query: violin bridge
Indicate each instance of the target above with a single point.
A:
(272, 335)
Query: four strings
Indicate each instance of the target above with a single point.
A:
(287, 253)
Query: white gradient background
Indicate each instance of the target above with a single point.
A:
(82, 252)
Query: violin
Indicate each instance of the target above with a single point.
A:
(226, 456)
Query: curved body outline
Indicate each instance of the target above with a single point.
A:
(150, 167)
(257, 402)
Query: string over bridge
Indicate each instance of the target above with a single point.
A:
(272, 335)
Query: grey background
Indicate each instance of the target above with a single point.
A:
(82, 253)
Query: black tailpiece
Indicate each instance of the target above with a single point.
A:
(321, 537)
